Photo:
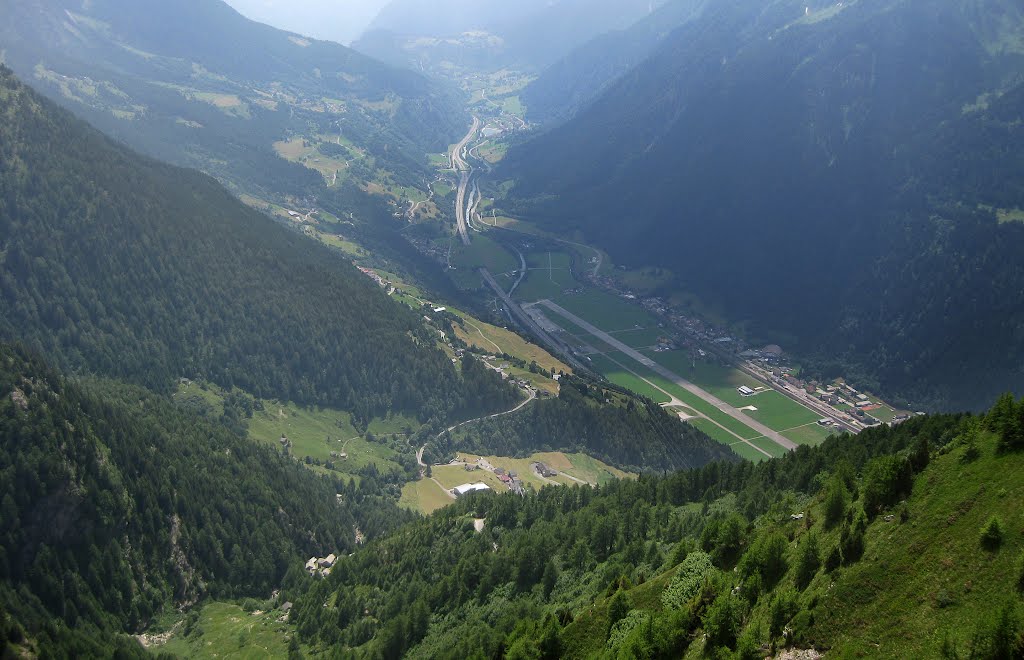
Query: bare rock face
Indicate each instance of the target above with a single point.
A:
(19, 399)
(799, 654)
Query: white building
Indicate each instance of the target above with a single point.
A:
(465, 489)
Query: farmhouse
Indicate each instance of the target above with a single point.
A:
(543, 470)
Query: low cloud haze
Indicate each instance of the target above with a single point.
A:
(335, 20)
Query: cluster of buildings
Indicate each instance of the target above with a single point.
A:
(372, 274)
(321, 566)
(510, 479)
(506, 477)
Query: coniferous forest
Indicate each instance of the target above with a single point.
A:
(130, 268)
(231, 429)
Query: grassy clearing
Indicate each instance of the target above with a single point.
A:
(769, 446)
(559, 260)
(581, 337)
(451, 476)
(319, 432)
(493, 152)
(348, 247)
(484, 252)
(701, 406)
(715, 432)
(592, 470)
(609, 313)
(541, 282)
(774, 409)
(305, 152)
(714, 378)
(228, 631)
(747, 452)
(581, 466)
(620, 376)
(1010, 215)
(808, 435)
(513, 106)
(641, 338)
(490, 338)
(779, 412)
(424, 496)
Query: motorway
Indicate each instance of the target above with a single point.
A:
(729, 410)
(464, 205)
(465, 171)
(527, 322)
(462, 208)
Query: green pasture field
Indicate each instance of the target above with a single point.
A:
(227, 631)
(640, 338)
(715, 432)
(769, 446)
(808, 435)
(747, 452)
(774, 409)
(620, 376)
(484, 252)
(607, 312)
(558, 260)
(541, 284)
(780, 413)
(424, 496)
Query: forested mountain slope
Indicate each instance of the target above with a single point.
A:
(115, 504)
(115, 264)
(492, 34)
(195, 83)
(600, 420)
(571, 83)
(717, 562)
(834, 173)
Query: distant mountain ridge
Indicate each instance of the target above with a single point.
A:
(196, 83)
(493, 34)
(572, 82)
(791, 163)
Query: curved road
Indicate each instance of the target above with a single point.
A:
(460, 165)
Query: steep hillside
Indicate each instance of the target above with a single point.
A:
(195, 83)
(572, 82)
(115, 264)
(832, 173)
(815, 551)
(493, 34)
(324, 19)
(606, 423)
(115, 505)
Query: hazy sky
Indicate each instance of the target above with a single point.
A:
(337, 20)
